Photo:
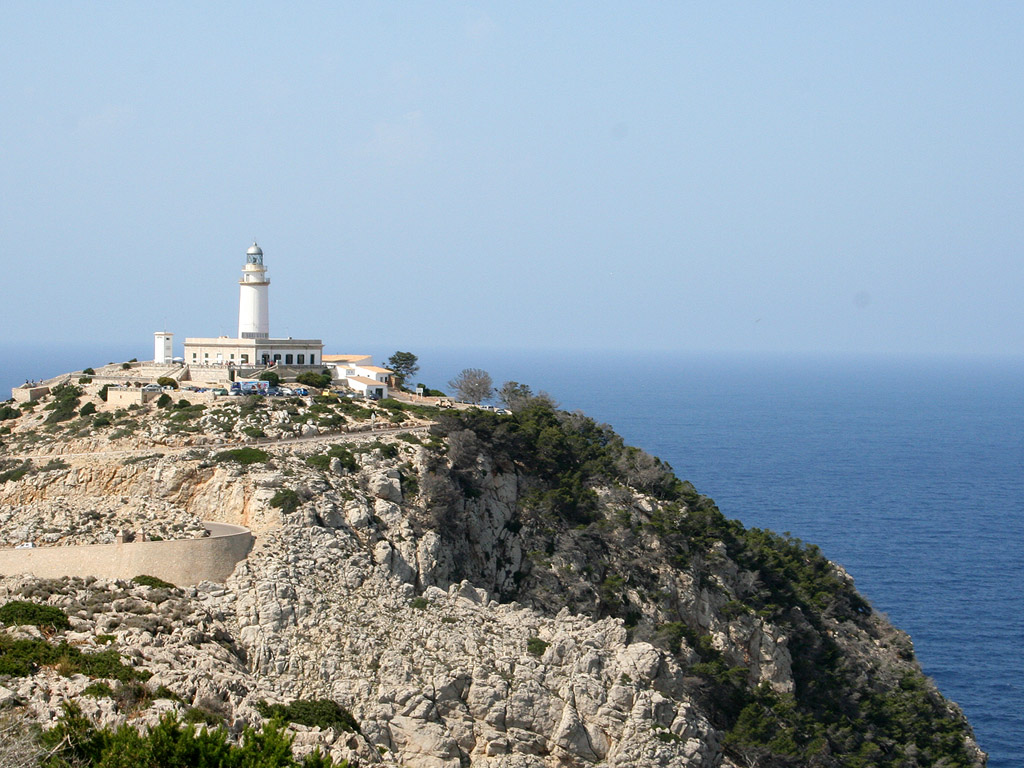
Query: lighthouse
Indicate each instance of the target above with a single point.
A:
(253, 302)
(216, 358)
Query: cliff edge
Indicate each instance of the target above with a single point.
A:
(469, 588)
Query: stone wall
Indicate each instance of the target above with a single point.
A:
(25, 394)
(130, 396)
(182, 562)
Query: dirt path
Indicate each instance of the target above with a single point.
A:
(251, 443)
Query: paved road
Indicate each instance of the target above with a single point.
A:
(223, 529)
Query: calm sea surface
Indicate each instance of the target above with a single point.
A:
(909, 474)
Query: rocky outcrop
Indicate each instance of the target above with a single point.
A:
(443, 591)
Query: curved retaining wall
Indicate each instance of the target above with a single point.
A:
(183, 562)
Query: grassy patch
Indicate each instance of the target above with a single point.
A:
(244, 456)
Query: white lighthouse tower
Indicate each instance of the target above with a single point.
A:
(253, 304)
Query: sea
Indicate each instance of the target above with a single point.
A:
(909, 472)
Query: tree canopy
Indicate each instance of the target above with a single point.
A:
(404, 365)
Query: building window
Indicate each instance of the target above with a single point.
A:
(301, 360)
(266, 359)
(245, 358)
(277, 358)
(193, 355)
(206, 355)
(232, 356)
(287, 359)
(312, 359)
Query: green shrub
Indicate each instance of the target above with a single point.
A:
(21, 612)
(318, 380)
(319, 461)
(126, 366)
(269, 376)
(252, 431)
(164, 401)
(419, 603)
(12, 470)
(244, 456)
(75, 741)
(286, 500)
(103, 392)
(144, 580)
(23, 657)
(99, 689)
(202, 715)
(167, 381)
(87, 409)
(6, 412)
(84, 380)
(89, 372)
(354, 410)
(65, 401)
(536, 647)
(315, 713)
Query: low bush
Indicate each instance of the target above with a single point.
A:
(315, 713)
(286, 500)
(12, 470)
(144, 580)
(318, 380)
(65, 401)
(89, 372)
(75, 741)
(23, 657)
(536, 647)
(244, 456)
(22, 612)
(164, 401)
(87, 409)
(167, 381)
(6, 412)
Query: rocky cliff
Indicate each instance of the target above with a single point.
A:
(476, 589)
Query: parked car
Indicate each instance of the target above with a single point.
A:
(152, 388)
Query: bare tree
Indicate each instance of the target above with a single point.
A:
(18, 747)
(472, 385)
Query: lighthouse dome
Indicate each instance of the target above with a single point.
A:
(254, 255)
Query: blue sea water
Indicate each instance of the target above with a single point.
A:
(908, 473)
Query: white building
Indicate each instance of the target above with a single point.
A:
(163, 348)
(253, 347)
(360, 373)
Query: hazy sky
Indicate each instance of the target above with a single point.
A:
(782, 177)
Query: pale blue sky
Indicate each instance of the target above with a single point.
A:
(794, 177)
